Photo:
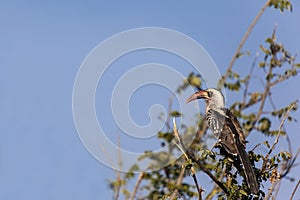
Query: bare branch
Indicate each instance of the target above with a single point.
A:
(178, 138)
(170, 104)
(137, 185)
(199, 189)
(281, 79)
(294, 191)
(118, 173)
(287, 136)
(290, 164)
(263, 100)
(264, 165)
(178, 182)
(276, 139)
(265, 94)
(244, 39)
(248, 81)
(277, 189)
(215, 190)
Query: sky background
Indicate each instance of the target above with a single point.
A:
(42, 46)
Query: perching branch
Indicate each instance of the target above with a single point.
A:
(184, 151)
(191, 156)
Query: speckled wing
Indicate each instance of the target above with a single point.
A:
(230, 116)
(234, 129)
(217, 121)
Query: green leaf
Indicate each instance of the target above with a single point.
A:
(275, 132)
(126, 193)
(243, 192)
(282, 5)
(262, 64)
(270, 41)
(175, 113)
(285, 155)
(266, 51)
(264, 125)
(267, 144)
(233, 86)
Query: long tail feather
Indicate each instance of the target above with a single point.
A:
(249, 172)
(241, 152)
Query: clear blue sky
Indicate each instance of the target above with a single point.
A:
(42, 46)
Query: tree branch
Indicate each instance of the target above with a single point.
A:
(191, 156)
(276, 139)
(264, 165)
(247, 83)
(178, 182)
(290, 164)
(118, 173)
(199, 189)
(244, 39)
(294, 191)
(137, 185)
(281, 79)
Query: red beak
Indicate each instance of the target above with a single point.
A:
(198, 95)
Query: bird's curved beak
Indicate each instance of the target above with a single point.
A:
(198, 95)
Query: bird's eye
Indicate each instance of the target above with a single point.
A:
(209, 94)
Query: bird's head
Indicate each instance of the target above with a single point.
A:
(212, 96)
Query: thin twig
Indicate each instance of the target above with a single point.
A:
(137, 185)
(199, 189)
(183, 150)
(284, 129)
(290, 164)
(178, 137)
(256, 146)
(287, 76)
(264, 97)
(294, 191)
(118, 173)
(170, 104)
(278, 185)
(216, 190)
(266, 92)
(178, 182)
(248, 81)
(271, 189)
(264, 165)
(282, 78)
(244, 39)
(277, 138)
(118, 186)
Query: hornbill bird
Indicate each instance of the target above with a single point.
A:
(227, 129)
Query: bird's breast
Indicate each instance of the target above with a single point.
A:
(215, 123)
